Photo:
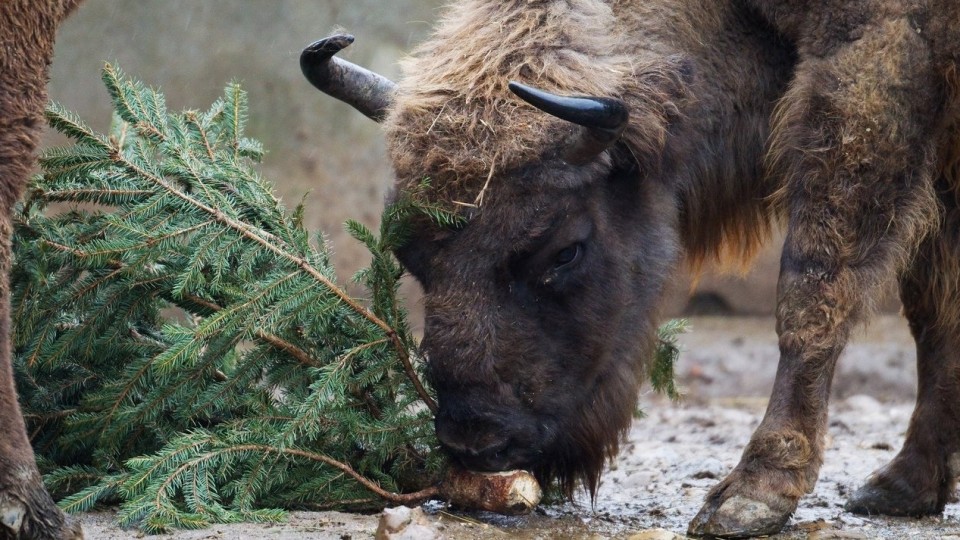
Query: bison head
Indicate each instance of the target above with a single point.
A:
(540, 309)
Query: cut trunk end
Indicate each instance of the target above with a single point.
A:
(509, 492)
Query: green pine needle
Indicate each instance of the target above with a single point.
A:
(668, 351)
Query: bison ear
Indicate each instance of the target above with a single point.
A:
(363, 89)
(601, 120)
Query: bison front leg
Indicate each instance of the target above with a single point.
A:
(783, 457)
(852, 141)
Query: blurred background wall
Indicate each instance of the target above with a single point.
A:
(318, 148)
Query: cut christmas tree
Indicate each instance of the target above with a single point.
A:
(183, 348)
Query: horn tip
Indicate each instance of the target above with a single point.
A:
(529, 94)
(325, 48)
(518, 88)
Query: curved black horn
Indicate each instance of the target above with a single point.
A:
(361, 88)
(601, 120)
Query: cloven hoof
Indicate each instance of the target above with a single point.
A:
(897, 500)
(13, 523)
(737, 517)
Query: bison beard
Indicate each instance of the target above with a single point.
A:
(841, 119)
(27, 29)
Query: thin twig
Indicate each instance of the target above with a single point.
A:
(479, 201)
(411, 373)
(299, 354)
(192, 118)
(393, 498)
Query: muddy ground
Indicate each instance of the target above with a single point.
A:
(679, 451)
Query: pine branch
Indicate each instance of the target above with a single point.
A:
(393, 498)
(275, 245)
(182, 346)
(668, 351)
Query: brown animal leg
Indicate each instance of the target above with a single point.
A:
(852, 142)
(921, 479)
(27, 29)
(26, 510)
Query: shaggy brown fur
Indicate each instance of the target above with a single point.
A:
(27, 29)
(840, 118)
(455, 122)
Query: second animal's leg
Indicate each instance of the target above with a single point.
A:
(26, 510)
(27, 30)
(851, 140)
(922, 477)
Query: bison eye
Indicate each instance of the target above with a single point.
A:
(568, 255)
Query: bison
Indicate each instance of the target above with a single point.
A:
(27, 31)
(593, 146)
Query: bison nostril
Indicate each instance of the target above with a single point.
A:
(492, 448)
(495, 455)
(471, 443)
(476, 444)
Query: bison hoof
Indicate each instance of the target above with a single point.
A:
(41, 521)
(892, 498)
(737, 517)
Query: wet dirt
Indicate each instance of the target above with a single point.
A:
(678, 451)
